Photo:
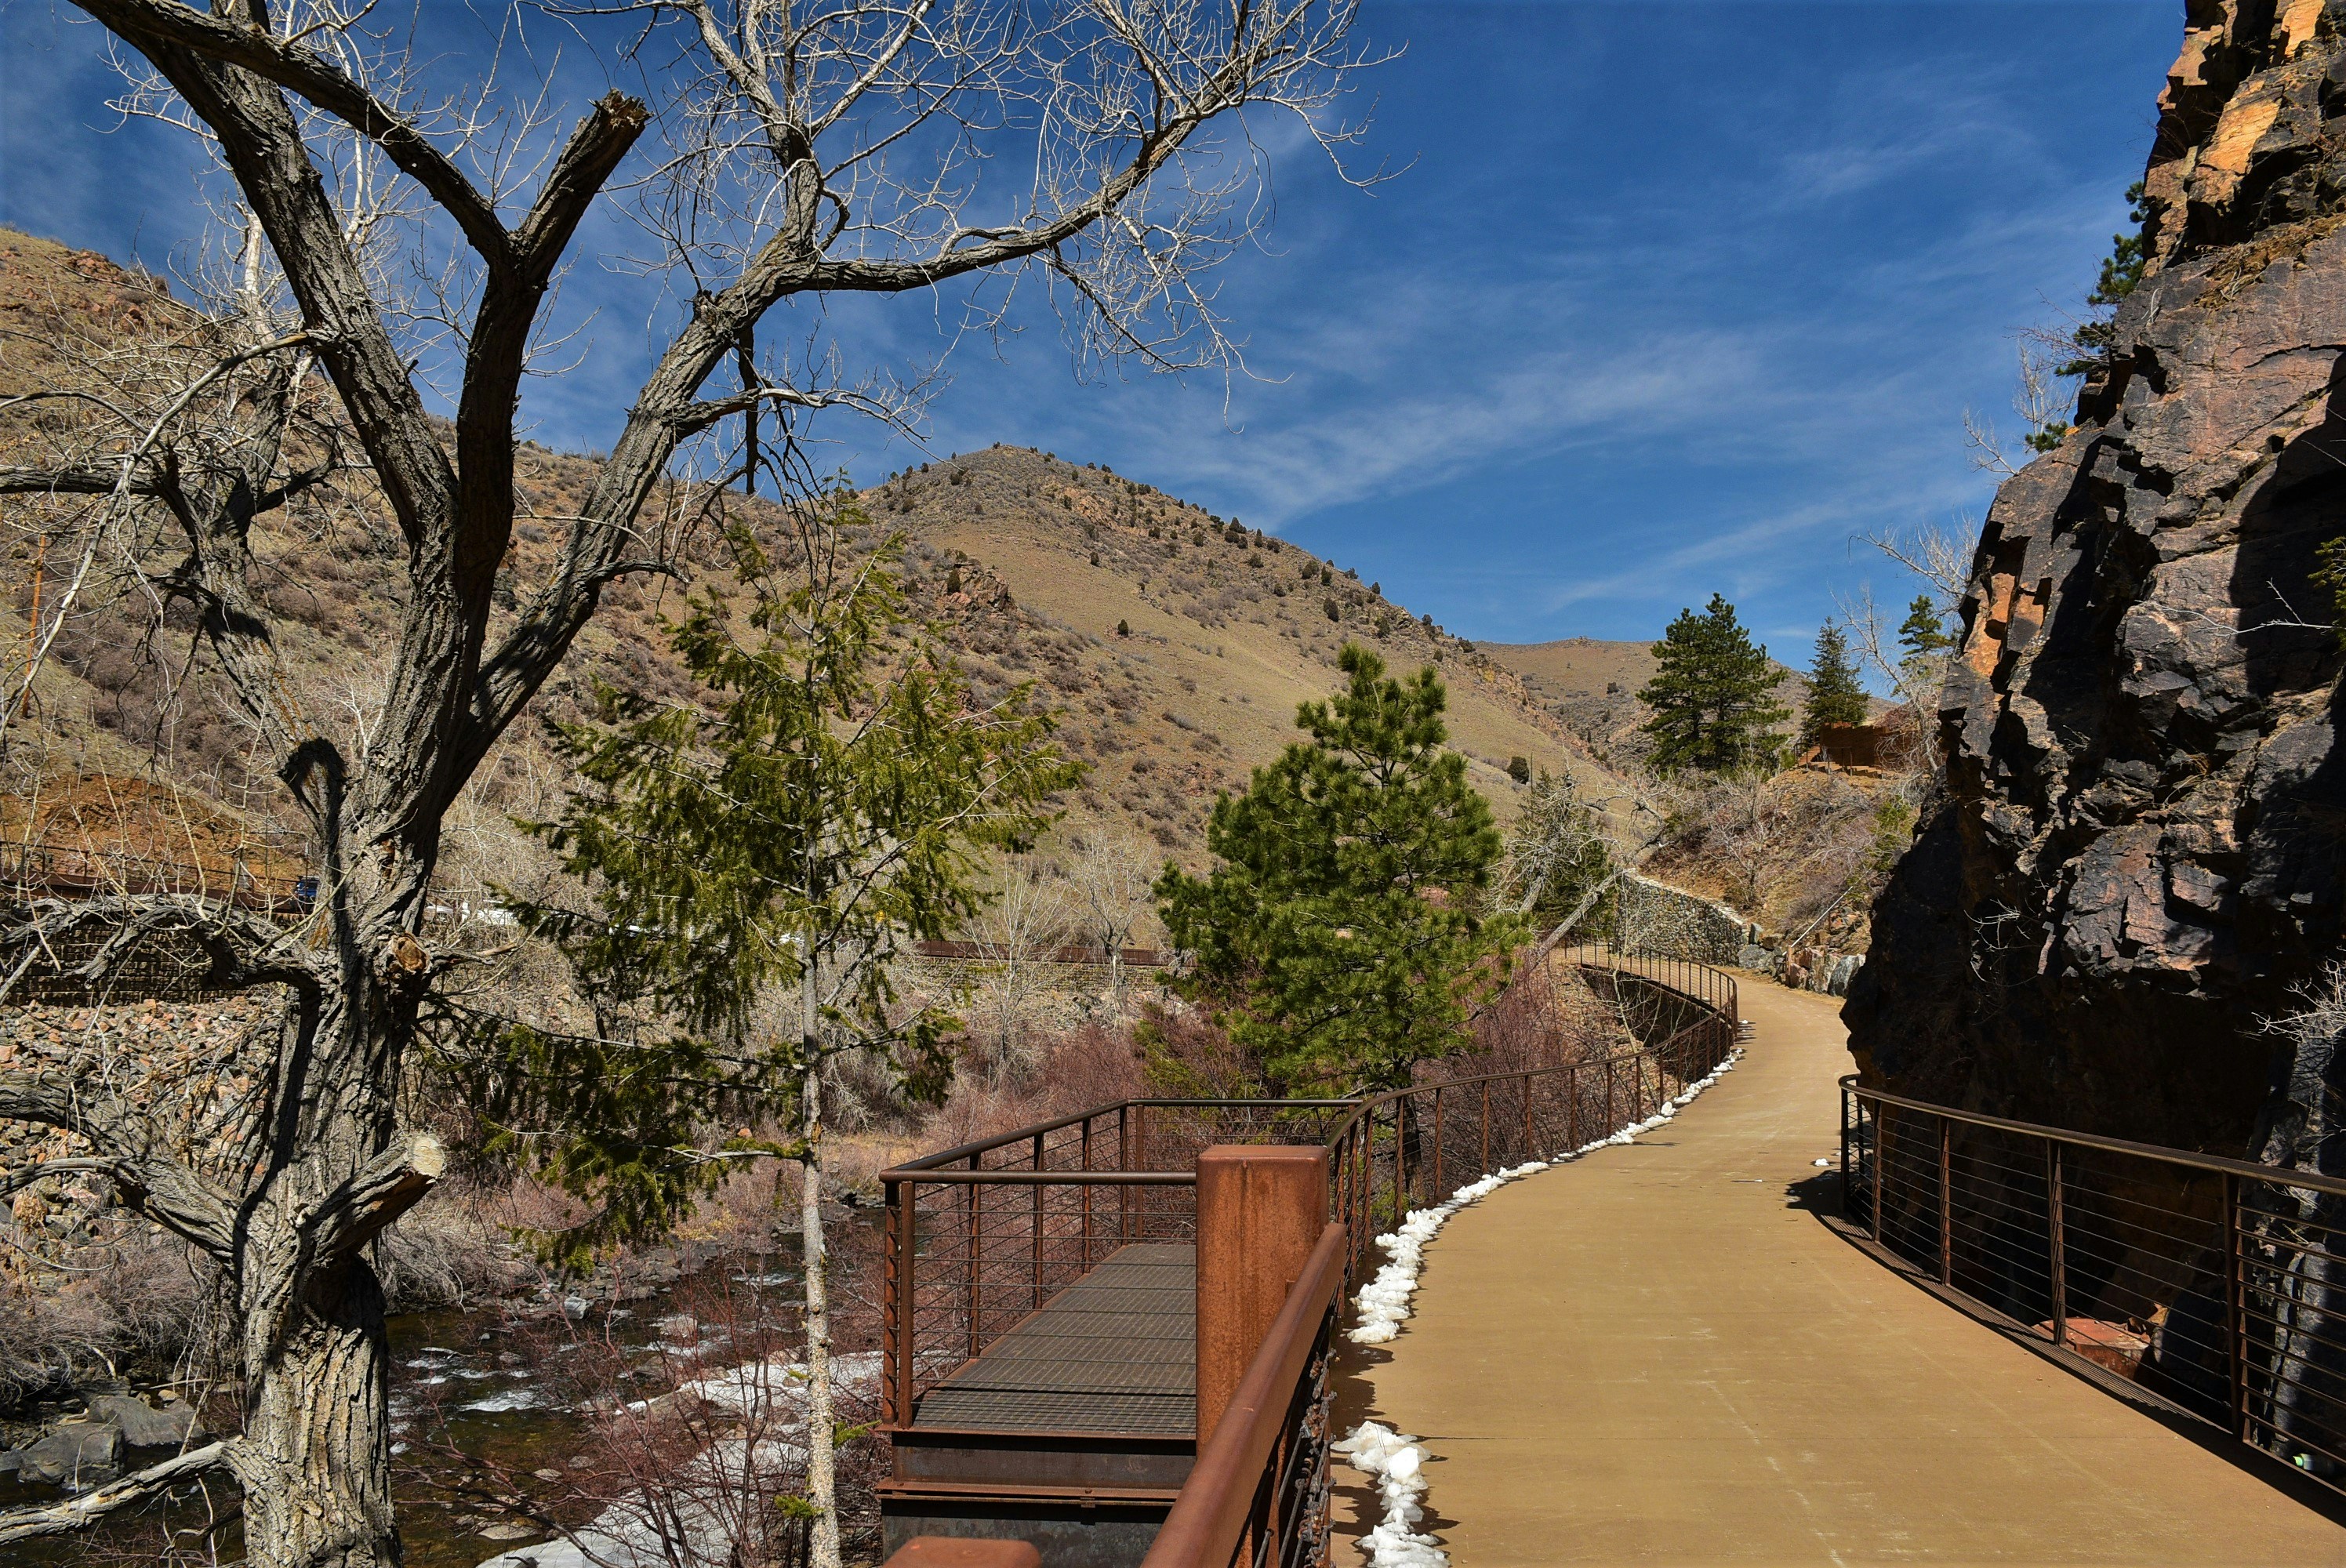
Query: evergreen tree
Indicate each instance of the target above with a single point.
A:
(769, 854)
(1713, 697)
(1340, 933)
(1834, 695)
(2121, 272)
(1924, 633)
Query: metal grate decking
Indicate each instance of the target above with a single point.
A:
(1116, 1351)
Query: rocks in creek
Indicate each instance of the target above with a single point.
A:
(144, 1426)
(76, 1454)
(2138, 852)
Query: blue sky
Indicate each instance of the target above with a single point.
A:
(1670, 299)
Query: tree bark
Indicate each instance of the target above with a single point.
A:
(822, 1486)
(315, 1463)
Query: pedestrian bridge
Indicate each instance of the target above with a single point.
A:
(1784, 1322)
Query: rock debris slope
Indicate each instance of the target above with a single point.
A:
(2138, 851)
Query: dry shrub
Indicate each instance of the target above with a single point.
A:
(129, 1317)
(443, 1253)
(1546, 1018)
(1191, 1056)
(1086, 1066)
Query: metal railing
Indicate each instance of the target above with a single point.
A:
(980, 1238)
(2217, 1284)
(1259, 1492)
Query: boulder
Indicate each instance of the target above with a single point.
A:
(144, 1426)
(2135, 854)
(78, 1453)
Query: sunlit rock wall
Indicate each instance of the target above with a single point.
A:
(2137, 852)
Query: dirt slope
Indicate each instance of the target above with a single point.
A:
(1027, 564)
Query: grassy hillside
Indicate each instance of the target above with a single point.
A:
(1173, 648)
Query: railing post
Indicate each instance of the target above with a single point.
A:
(1881, 1162)
(904, 1299)
(1946, 1202)
(1400, 1157)
(1036, 1218)
(1124, 1195)
(1572, 1110)
(1529, 1152)
(1261, 1212)
(2057, 1242)
(2236, 1307)
(971, 1207)
(1087, 1195)
(1486, 1128)
(1437, 1142)
(1844, 1151)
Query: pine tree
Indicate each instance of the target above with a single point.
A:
(1339, 935)
(1922, 633)
(792, 838)
(1713, 697)
(2121, 272)
(1834, 695)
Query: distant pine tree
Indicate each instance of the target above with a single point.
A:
(1834, 695)
(1714, 698)
(1924, 633)
(2121, 270)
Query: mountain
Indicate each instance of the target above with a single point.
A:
(1172, 645)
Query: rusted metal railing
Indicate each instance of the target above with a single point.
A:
(1259, 1493)
(2217, 1284)
(981, 1237)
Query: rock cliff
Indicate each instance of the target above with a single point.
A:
(2140, 847)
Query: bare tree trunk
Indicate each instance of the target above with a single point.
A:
(822, 1487)
(315, 1463)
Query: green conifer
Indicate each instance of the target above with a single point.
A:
(1834, 695)
(1713, 697)
(1924, 633)
(1340, 934)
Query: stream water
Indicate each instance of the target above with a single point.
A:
(480, 1409)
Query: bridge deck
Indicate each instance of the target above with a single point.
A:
(1662, 1355)
(1116, 1351)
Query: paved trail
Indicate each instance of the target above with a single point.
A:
(1659, 1355)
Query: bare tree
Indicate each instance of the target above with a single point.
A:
(1015, 938)
(2043, 394)
(773, 155)
(1940, 555)
(1115, 880)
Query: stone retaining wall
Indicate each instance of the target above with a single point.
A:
(1670, 922)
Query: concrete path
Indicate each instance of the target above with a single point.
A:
(1661, 1355)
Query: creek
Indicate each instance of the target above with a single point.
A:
(481, 1408)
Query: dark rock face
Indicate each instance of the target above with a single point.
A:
(2141, 847)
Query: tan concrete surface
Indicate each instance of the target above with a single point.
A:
(1661, 1355)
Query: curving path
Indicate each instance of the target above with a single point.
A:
(1658, 1354)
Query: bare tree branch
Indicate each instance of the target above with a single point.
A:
(79, 1512)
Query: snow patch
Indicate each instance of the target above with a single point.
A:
(1397, 1464)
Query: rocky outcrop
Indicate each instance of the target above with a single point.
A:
(2138, 850)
